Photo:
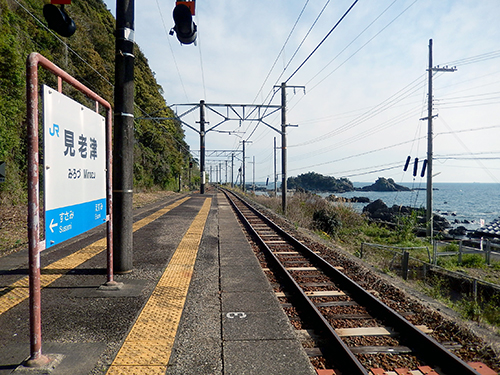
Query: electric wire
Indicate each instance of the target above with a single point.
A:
(303, 40)
(64, 43)
(359, 49)
(280, 52)
(359, 136)
(475, 59)
(323, 40)
(380, 168)
(404, 93)
(171, 50)
(358, 155)
(492, 176)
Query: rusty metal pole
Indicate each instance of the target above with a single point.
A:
(35, 246)
(36, 358)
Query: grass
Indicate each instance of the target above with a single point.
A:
(339, 223)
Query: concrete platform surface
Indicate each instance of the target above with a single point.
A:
(196, 302)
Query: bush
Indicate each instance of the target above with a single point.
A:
(326, 221)
(472, 261)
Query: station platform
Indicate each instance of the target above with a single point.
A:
(196, 302)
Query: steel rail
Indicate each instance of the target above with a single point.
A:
(352, 364)
(427, 347)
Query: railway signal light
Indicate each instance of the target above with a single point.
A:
(184, 28)
(57, 18)
(190, 164)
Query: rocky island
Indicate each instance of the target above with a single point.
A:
(316, 182)
(383, 184)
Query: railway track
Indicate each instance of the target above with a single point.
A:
(347, 329)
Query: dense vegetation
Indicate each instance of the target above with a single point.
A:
(317, 182)
(160, 152)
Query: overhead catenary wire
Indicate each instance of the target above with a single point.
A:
(322, 41)
(280, 52)
(303, 40)
(360, 48)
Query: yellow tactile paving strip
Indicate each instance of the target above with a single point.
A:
(19, 291)
(148, 346)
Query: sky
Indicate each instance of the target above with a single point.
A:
(366, 83)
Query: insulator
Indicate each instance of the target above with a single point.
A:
(415, 167)
(423, 168)
(407, 163)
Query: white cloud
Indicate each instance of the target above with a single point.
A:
(240, 40)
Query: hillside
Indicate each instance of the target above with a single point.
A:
(160, 153)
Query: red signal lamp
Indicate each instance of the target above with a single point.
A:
(189, 4)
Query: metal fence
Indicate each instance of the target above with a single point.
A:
(417, 263)
(484, 248)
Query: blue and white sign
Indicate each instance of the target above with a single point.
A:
(75, 167)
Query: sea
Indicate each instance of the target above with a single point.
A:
(463, 204)
(466, 204)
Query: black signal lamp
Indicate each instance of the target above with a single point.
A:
(58, 20)
(184, 28)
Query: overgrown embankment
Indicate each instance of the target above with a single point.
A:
(160, 152)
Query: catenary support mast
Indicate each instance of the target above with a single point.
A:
(123, 137)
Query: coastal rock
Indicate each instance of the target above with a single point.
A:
(379, 211)
(458, 231)
(360, 199)
(334, 198)
(383, 184)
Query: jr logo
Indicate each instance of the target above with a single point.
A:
(54, 130)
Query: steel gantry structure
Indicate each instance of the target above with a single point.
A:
(233, 112)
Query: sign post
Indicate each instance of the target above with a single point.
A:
(33, 61)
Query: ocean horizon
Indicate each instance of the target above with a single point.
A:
(466, 203)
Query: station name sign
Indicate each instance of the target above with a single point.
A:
(74, 166)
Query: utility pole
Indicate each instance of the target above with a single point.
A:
(226, 171)
(283, 147)
(253, 183)
(431, 69)
(275, 176)
(202, 147)
(232, 170)
(123, 150)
